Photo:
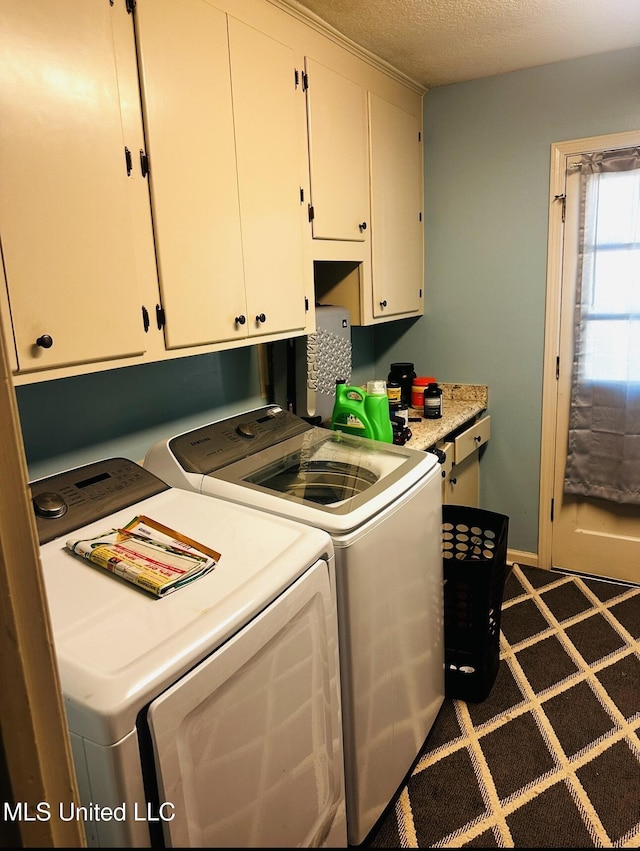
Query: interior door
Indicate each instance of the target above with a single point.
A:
(247, 743)
(589, 535)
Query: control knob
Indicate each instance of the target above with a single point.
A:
(246, 430)
(49, 504)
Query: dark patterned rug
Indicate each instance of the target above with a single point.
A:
(551, 758)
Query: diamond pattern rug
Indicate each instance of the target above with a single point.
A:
(551, 758)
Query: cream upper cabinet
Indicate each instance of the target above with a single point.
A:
(219, 105)
(365, 165)
(338, 157)
(397, 268)
(186, 89)
(267, 148)
(67, 171)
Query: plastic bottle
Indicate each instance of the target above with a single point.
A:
(403, 373)
(357, 412)
(432, 402)
(377, 406)
(418, 387)
(394, 392)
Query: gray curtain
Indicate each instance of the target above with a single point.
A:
(604, 428)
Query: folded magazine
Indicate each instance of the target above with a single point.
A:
(148, 554)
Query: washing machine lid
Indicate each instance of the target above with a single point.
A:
(273, 460)
(118, 646)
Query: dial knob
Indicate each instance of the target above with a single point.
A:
(245, 430)
(49, 504)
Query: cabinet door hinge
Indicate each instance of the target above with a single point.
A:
(302, 195)
(305, 81)
(552, 506)
(311, 213)
(562, 198)
(145, 319)
(131, 5)
(306, 304)
(557, 367)
(144, 163)
(419, 136)
(128, 160)
(160, 318)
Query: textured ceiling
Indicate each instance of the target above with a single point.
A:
(437, 42)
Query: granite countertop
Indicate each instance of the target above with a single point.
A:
(461, 403)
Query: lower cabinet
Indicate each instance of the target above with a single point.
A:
(461, 468)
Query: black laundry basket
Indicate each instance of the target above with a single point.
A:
(474, 561)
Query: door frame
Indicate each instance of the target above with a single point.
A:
(560, 151)
(36, 763)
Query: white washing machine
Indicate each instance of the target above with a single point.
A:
(382, 506)
(209, 717)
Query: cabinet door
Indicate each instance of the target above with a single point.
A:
(264, 110)
(396, 210)
(338, 156)
(462, 485)
(186, 84)
(65, 214)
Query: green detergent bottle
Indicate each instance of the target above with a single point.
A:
(357, 412)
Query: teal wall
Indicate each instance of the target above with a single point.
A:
(122, 412)
(487, 146)
(487, 160)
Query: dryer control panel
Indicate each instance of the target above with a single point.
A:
(66, 501)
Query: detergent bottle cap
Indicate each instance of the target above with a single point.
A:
(377, 387)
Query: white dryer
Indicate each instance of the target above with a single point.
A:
(382, 506)
(209, 717)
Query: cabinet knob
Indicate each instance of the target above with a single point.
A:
(45, 341)
(383, 303)
(240, 320)
(453, 481)
(362, 226)
(478, 439)
(261, 318)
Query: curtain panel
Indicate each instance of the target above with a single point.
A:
(603, 458)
